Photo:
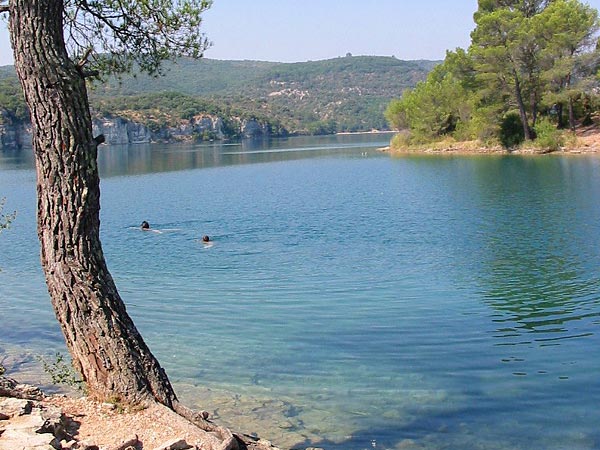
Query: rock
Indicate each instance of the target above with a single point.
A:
(86, 446)
(408, 444)
(53, 419)
(254, 129)
(11, 388)
(68, 445)
(12, 407)
(121, 131)
(82, 445)
(13, 439)
(174, 444)
(33, 423)
(130, 444)
(14, 133)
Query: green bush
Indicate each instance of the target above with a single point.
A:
(401, 140)
(549, 138)
(511, 130)
(62, 372)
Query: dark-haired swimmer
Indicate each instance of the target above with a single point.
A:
(145, 225)
(206, 241)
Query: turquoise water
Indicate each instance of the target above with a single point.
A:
(350, 300)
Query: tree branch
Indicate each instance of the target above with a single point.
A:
(4, 8)
(84, 59)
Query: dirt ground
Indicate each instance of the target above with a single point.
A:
(588, 140)
(107, 427)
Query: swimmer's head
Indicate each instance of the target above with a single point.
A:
(205, 238)
(145, 225)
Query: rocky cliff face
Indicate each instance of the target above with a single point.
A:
(14, 133)
(254, 129)
(122, 131)
(119, 131)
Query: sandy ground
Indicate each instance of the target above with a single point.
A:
(588, 140)
(107, 427)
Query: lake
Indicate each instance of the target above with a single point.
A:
(350, 300)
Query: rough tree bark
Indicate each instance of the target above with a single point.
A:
(105, 345)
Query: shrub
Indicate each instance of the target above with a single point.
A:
(401, 140)
(62, 372)
(511, 130)
(549, 138)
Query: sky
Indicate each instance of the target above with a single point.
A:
(303, 30)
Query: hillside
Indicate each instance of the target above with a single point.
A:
(341, 94)
(314, 97)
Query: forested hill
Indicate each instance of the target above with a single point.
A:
(341, 94)
(348, 93)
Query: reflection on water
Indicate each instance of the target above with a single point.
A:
(536, 269)
(140, 159)
(348, 302)
(152, 158)
(16, 158)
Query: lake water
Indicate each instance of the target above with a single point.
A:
(350, 300)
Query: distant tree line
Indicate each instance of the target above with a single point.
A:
(315, 97)
(530, 71)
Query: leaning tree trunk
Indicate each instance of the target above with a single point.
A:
(102, 339)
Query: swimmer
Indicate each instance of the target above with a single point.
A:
(206, 241)
(145, 225)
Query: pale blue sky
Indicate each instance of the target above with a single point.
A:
(301, 30)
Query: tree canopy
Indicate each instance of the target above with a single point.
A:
(120, 33)
(530, 62)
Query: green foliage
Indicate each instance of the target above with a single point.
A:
(12, 103)
(62, 372)
(548, 137)
(401, 140)
(2, 370)
(537, 57)
(316, 97)
(438, 106)
(322, 127)
(118, 35)
(511, 130)
(353, 92)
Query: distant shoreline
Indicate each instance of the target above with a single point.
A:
(586, 142)
(344, 133)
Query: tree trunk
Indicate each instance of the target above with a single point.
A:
(571, 107)
(559, 114)
(534, 109)
(105, 345)
(522, 111)
(571, 114)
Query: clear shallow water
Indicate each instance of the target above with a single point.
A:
(350, 300)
